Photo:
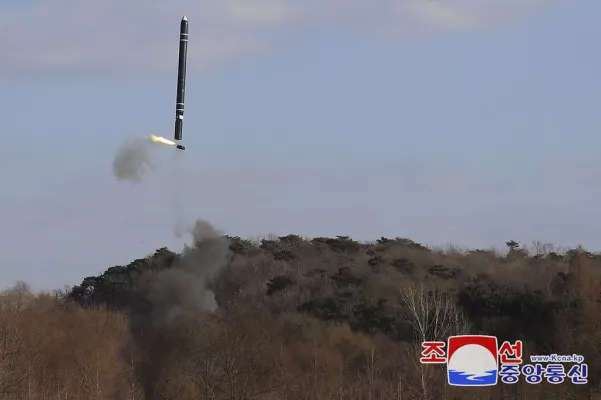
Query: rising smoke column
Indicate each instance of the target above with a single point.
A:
(173, 297)
(182, 291)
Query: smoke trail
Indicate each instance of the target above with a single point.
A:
(132, 159)
(175, 296)
(182, 291)
(177, 180)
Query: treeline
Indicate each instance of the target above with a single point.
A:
(327, 318)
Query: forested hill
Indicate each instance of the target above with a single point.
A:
(295, 318)
(342, 280)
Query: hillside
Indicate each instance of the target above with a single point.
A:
(293, 318)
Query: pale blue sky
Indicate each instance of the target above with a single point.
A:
(404, 118)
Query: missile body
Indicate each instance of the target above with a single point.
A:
(181, 78)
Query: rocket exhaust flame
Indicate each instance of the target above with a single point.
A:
(160, 139)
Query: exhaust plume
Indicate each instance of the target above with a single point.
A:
(182, 291)
(174, 298)
(160, 139)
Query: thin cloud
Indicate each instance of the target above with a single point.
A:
(470, 14)
(141, 35)
(398, 17)
(135, 35)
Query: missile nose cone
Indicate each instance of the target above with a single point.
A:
(185, 18)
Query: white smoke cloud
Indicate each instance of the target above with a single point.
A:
(141, 35)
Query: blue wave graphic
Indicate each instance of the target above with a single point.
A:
(465, 379)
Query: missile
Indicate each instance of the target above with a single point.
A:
(181, 80)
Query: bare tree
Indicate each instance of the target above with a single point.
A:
(372, 371)
(434, 316)
(14, 350)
